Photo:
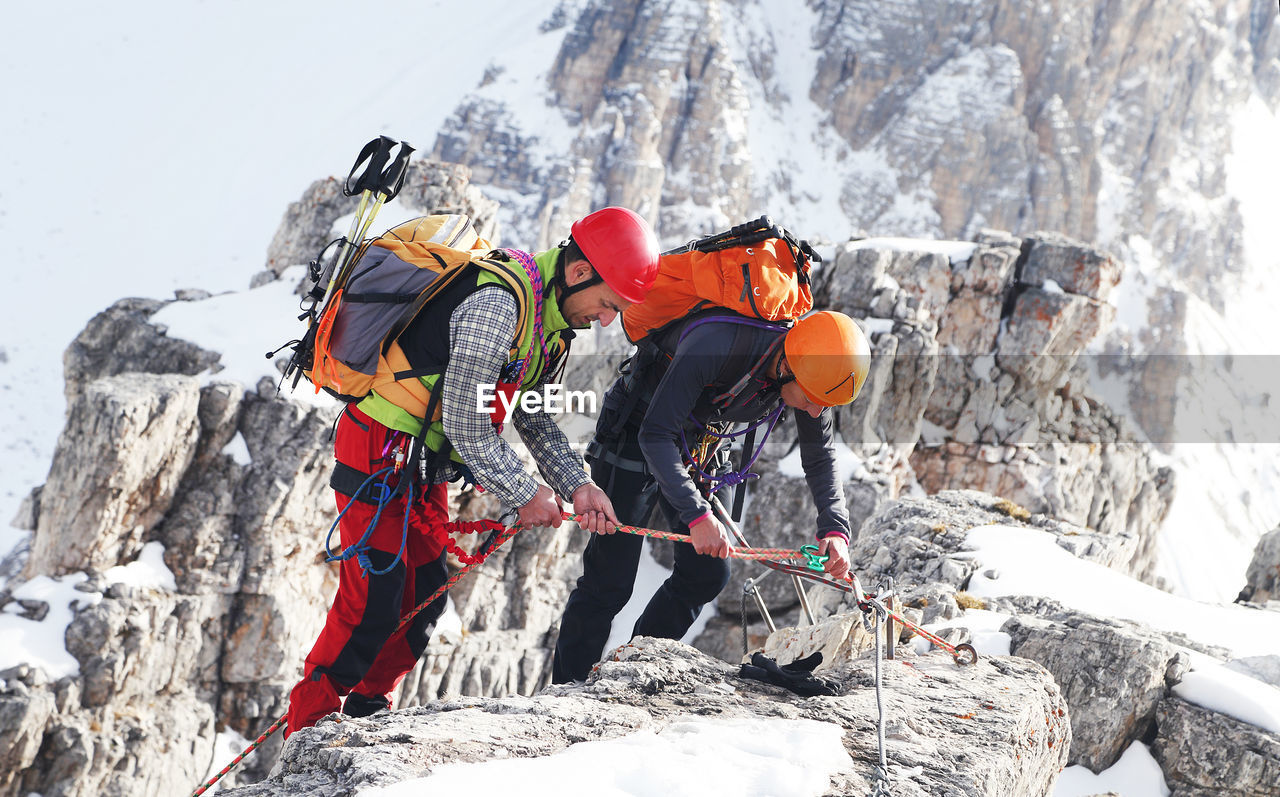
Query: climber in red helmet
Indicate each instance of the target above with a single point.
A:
(460, 342)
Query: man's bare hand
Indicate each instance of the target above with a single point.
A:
(837, 551)
(544, 509)
(594, 510)
(710, 538)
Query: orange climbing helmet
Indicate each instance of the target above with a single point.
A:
(621, 247)
(829, 356)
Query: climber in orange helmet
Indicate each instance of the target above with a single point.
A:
(655, 443)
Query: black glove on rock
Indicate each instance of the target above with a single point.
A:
(797, 676)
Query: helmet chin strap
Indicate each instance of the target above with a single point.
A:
(567, 290)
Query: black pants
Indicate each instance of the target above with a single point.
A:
(609, 570)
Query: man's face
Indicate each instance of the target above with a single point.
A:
(597, 303)
(793, 396)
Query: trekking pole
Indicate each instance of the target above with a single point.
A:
(372, 177)
(371, 160)
(389, 183)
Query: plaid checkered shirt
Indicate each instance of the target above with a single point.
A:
(480, 332)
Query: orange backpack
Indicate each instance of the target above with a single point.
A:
(756, 269)
(350, 348)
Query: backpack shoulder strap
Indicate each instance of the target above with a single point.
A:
(500, 265)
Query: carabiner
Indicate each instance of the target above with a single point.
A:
(812, 559)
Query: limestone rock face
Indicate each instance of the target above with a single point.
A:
(929, 122)
(998, 728)
(1112, 674)
(100, 503)
(1262, 580)
(1083, 117)
(1204, 753)
(988, 392)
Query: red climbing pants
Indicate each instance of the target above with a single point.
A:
(360, 652)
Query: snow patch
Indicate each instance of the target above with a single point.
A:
(43, 644)
(242, 326)
(1214, 686)
(984, 625)
(954, 251)
(226, 746)
(238, 450)
(148, 571)
(649, 576)
(1136, 774)
(782, 758)
(1030, 562)
(848, 464)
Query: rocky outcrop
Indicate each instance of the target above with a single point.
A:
(120, 458)
(1262, 579)
(1113, 674)
(997, 728)
(120, 340)
(1204, 753)
(999, 402)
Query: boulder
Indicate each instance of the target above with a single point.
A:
(116, 469)
(1112, 673)
(1204, 753)
(1262, 579)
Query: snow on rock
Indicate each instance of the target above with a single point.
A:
(783, 757)
(1136, 774)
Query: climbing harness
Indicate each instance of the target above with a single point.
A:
(734, 477)
(499, 533)
(698, 457)
(382, 496)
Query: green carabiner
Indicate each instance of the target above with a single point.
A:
(812, 559)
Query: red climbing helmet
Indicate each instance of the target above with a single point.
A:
(622, 249)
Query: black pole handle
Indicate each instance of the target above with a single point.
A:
(392, 180)
(743, 234)
(764, 222)
(369, 164)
